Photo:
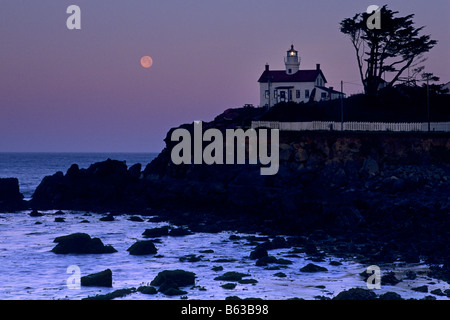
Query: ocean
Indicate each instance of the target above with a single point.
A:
(30, 271)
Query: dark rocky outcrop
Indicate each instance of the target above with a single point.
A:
(80, 243)
(142, 248)
(258, 253)
(310, 267)
(35, 213)
(356, 294)
(380, 196)
(156, 232)
(389, 279)
(390, 296)
(169, 281)
(232, 276)
(119, 293)
(423, 288)
(99, 279)
(147, 290)
(10, 197)
(102, 186)
(180, 277)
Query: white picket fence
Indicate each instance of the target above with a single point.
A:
(352, 126)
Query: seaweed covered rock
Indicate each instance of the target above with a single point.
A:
(80, 243)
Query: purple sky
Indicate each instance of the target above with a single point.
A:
(84, 90)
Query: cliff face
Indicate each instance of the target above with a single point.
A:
(390, 190)
(317, 170)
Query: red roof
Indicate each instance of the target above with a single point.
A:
(299, 76)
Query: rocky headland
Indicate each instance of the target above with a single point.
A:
(375, 196)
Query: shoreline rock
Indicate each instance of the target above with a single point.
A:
(140, 248)
(11, 200)
(80, 243)
(99, 279)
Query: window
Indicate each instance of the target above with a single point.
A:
(319, 81)
(267, 94)
(297, 94)
(289, 71)
(290, 95)
(306, 94)
(323, 95)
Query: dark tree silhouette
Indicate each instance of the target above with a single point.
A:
(392, 48)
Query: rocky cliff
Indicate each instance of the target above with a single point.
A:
(389, 191)
(10, 197)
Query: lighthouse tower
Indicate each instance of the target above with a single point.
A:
(292, 61)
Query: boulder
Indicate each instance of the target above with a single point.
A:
(389, 279)
(147, 290)
(437, 292)
(80, 243)
(99, 279)
(390, 296)
(232, 276)
(169, 281)
(310, 267)
(423, 288)
(180, 277)
(356, 294)
(142, 248)
(369, 168)
(156, 232)
(258, 253)
(35, 213)
(229, 286)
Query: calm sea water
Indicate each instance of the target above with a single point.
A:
(31, 168)
(29, 270)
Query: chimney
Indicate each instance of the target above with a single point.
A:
(318, 66)
(267, 67)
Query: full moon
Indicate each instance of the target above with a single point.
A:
(146, 61)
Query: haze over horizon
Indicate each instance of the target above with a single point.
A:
(85, 90)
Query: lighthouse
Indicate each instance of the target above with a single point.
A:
(292, 61)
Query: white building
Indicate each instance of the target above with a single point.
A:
(293, 84)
